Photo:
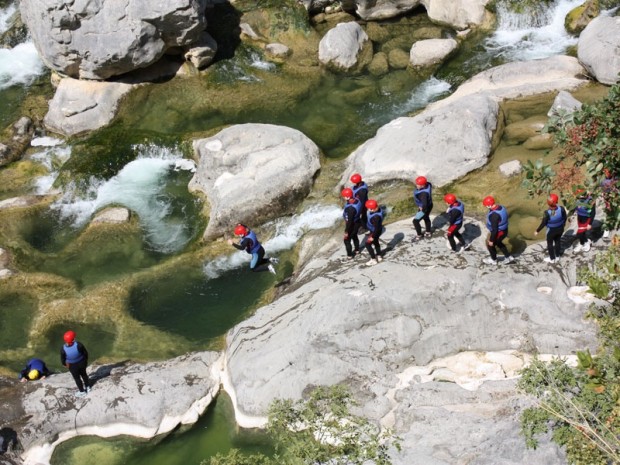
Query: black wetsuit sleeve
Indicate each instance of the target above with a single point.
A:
(82, 350)
(350, 224)
(453, 216)
(377, 222)
(63, 357)
(544, 222)
(362, 195)
(494, 219)
(245, 244)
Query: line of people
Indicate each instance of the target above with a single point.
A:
(554, 219)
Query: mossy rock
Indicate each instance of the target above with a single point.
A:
(379, 64)
(578, 18)
(398, 59)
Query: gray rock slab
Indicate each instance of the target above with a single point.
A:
(599, 49)
(251, 173)
(340, 49)
(431, 51)
(82, 106)
(371, 327)
(141, 400)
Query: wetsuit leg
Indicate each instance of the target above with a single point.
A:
(76, 370)
(259, 262)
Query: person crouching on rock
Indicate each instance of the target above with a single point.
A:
(352, 222)
(249, 242)
(455, 211)
(423, 198)
(35, 369)
(375, 229)
(554, 219)
(74, 356)
(497, 224)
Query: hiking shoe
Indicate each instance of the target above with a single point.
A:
(489, 261)
(549, 260)
(87, 389)
(80, 394)
(379, 258)
(578, 248)
(606, 234)
(466, 246)
(416, 238)
(274, 260)
(428, 234)
(587, 245)
(372, 261)
(271, 269)
(510, 259)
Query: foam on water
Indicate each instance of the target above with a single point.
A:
(534, 34)
(140, 187)
(5, 16)
(288, 232)
(20, 65)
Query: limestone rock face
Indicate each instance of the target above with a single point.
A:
(346, 48)
(599, 49)
(430, 52)
(82, 106)
(430, 341)
(100, 39)
(136, 399)
(251, 173)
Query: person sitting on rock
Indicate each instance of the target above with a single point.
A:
(374, 225)
(456, 212)
(554, 219)
(352, 219)
(360, 192)
(423, 198)
(35, 369)
(585, 210)
(497, 224)
(249, 242)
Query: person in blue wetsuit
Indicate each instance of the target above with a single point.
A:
(497, 224)
(351, 213)
(360, 192)
(74, 356)
(374, 225)
(423, 198)
(35, 369)
(554, 219)
(456, 212)
(249, 242)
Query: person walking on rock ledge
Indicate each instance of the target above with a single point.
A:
(497, 224)
(375, 229)
(423, 198)
(455, 211)
(352, 222)
(586, 210)
(249, 242)
(74, 356)
(554, 219)
(360, 192)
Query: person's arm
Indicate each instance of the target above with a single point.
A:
(63, 357)
(378, 224)
(363, 196)
(425, 201)
(350, 224)
(494, 219)
(23, 375)
(453, 216)
(245, 243)
(543, 223)
(82, 350)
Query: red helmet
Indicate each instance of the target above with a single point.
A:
(355, 178)
(449, 198)
(240, 230)
(347, 193)
(552, 201)
(371, 204)
(488, 201)
(420, 181)
(69, 337)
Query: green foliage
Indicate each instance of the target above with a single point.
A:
(319, 430)
(590, 143)
(581, 405)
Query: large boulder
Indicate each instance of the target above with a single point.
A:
(251, 173)
(462, 130)
(98, 40)
(432, 353)
(599, 49)
(346, 48)
(141, 400)
(431, 51)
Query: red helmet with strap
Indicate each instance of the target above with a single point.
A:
(488, 201)
(69, 337)
(553, 199)
(449, 198)
(371, 204)
(421, 181)
(355, 178)
(240, 230)
(347, 193)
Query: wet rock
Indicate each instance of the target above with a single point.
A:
(599, 49)
(539, 142)
(431, 52)
(98, 40)
(379, 64)
(345, 48)
(578, 18)
(564, 103)
(21, 134)
(519, 132)
(114, 215)
(251, 173)
(82, 106)
(510, 168)
(398, 59)
(424, 355)
(277, 51)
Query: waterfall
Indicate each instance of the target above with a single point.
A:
(532, 34)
